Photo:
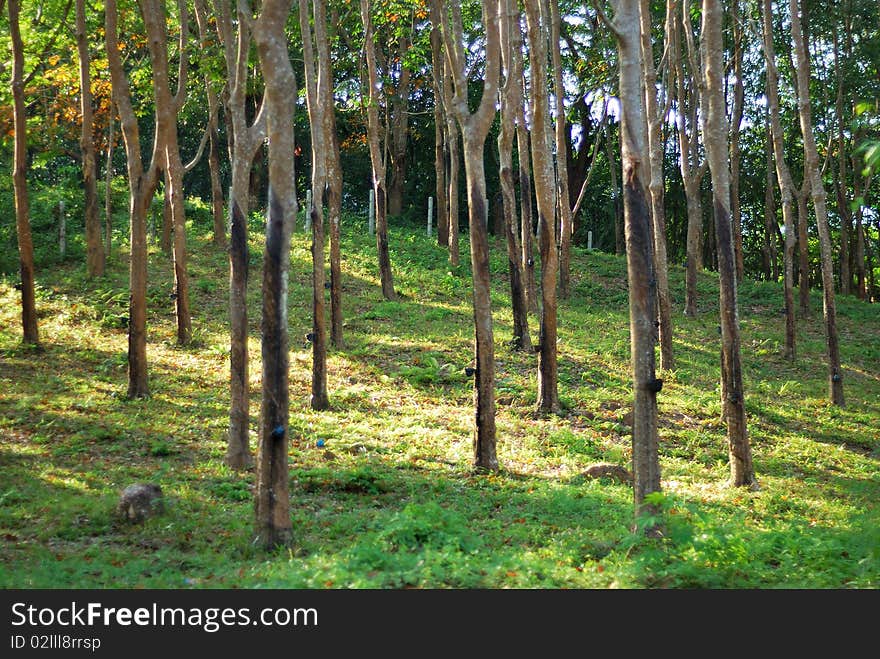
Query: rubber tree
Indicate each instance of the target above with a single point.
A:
(378, 164)
(655, 113)
(812, 173)
(639, 254)
(142, 182)
(715, 134)
(95, 259)
(273, 524)
(783, 178)
(474, 130)
(509, 99)
(236, 38)
(30, 332)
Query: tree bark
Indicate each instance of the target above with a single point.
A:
(142, 185)
(399, 132)
(735, 126)
(783, 176)
(30, 332)
(655, 116)
(640, 262)
(245, 143)
(474, 129)
(548, 395)
(803, 219)
(333, 188)
(715, 129)
(94, 248)
(108, 187)
(273, 524)
(167, 108)
(316, 108)
(811, 171)
(440, 138)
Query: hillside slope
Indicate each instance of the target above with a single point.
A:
(389, 500)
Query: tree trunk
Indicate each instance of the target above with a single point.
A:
(640, 262)
(566, 228)
(840, 182)
(619, 212)
(142, 186)
(399, 133)
(523, 150)
(474, 129)
(803, 249)
(812, 172)
(735, 127)
(108, 189)
(440, 138)
(768, 250)
(319, 400)
(273, 524)
(245, 142)
(786, 186)
(94, 248)
(333, 189)
(548, 396)
(167, 107)
(715, 129)
(30, 333)
(378, 164)
(521, 337)
(656, 146)
(688, 92)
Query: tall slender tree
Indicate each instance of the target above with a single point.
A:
(142, 182)
(474, 130)
(563, 203)
(509, 99)
(273, 523)
(385, 274)
(639, 259)
(236, 38)
(655, 113)
(783, 176)
(812, 174)
(30, 332)
(94, 249)
(544, 179)
(693, 166)
(715, 131)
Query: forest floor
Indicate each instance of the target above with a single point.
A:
(388, 499)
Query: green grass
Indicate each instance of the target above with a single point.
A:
(390, 499)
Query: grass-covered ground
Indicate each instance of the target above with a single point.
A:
(390, 500)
